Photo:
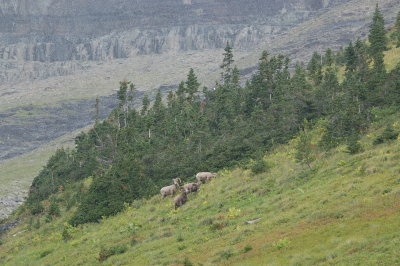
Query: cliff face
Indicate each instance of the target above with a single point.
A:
(50, 30)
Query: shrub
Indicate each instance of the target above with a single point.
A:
(54, 210)
(207, 221)
(45, 253)
(37, 224)
(387, 134)
(354, 146)
(282, 243)
(133, 241)
(226, 254)
(67, 232)
(36, 208)
(218, 226)
(108, 252)
(247, 248)
(259, 166)
(182, 247)
(187, 262)
(180, 238)
(48, 218)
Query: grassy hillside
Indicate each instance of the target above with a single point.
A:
(344, 210)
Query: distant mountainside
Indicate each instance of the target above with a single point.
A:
(49, 31)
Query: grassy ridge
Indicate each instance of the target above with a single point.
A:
(345, 210)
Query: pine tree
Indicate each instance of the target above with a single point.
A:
(327, 92)
(329, 57)
(351, 58)
(377, 36)
(397, 29)
(304, 152)
(97, 109)
(226, 66)
(235, 77)
(145, 105)
(315, 68)
(192, 85)
(181, 90)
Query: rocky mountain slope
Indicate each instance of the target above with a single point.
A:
(75, 31)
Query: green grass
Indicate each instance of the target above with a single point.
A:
(345, 211)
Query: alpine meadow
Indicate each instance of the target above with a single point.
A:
(302, 164)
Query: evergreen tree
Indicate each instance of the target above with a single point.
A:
(327, 92)
(377, 36)
(314, 68)
(378, 44)
(235, 77)
(97, 110)
(329, 59)
(351, 58)
(304, 152)
(397, 29)
(227, 63)
(192, 85)
(145, 105)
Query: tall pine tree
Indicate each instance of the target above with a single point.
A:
(227, 63)
(377, 37)
(397, 29)
(192, 85)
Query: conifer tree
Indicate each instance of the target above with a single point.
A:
(315, 68)
(181, 89)
(377, 36)
(97, 109)
(397, 29)
(192, 85)
(351, 58)
(304, 152)
(226, 66)
(235, 77)
(329, 57)
(145, 105)
(327, 92)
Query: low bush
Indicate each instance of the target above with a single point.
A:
(247, 248)
(187, 262)
(108, 252)
(45, 253)
(388, 134)
(259, 166)
(36, 208)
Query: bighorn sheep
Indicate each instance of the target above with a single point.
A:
(191, 187)
(172, 189)
(169, 190)
(204, 176)
(180, 200)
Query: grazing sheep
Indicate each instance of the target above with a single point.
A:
(191, 187)
(204, 176)
(180, 200)
(169, 190)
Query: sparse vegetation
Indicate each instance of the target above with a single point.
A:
(105, 253)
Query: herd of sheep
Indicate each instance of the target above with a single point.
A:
(186, 188)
